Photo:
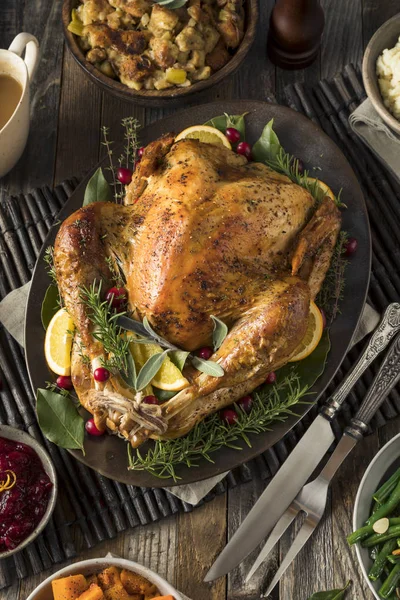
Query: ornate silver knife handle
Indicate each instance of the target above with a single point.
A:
(383, 334)
(386, 378)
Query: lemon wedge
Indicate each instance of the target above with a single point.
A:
(58, 343)
(206, 134)
(313, 334)
(169, 377)
(322, 188)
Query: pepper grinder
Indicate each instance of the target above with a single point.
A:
(295, 32)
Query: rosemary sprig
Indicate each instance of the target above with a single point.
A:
(106, 330)
(289, 166)
(332, 289)
(271, 403)
(49, 260)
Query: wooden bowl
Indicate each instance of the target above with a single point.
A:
(173, 96)
(385, 37)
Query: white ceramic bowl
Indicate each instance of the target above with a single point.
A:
(17, 435)
(87, 567)
(362, 508)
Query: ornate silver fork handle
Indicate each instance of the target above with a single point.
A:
(383, 334)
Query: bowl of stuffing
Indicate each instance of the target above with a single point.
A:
(381, 72)
(159, 52)
(105, 579)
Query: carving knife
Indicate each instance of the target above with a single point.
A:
(302, 461)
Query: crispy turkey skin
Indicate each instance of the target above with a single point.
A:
(202, 232)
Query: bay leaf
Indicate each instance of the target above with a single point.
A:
(224, 121)
(337, 594)
(268, 145)
(50, 305)
(150, 369)
(59, 419)
(208, 367)
(220, 332)
(97, 189)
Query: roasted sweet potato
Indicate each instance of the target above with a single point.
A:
(169, 597)
(136, 584)
(118, 592)
(109, 577)
(91, 579)
(69, 588)
(94, 592)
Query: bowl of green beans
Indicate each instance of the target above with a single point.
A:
(376, 522)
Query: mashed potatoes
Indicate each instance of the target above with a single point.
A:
(388, 71)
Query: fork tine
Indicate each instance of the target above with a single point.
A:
(301, 538)
(286, 519)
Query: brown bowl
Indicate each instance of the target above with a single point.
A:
(385, 37)
(172, 96)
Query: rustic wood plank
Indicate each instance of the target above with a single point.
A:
(79, 123)
(342, 41)
(42, 19)
(374, 14)
(201, 536)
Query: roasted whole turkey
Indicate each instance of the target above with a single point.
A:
(202, 232)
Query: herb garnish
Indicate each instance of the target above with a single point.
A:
(337, 594)
(331, 292)
(271, 403)
(48, 258)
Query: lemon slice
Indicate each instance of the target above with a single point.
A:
(58, 343)
(169, 377)
(206, 134)
(322, 188)
(313, 335)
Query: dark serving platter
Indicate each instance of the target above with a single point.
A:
(302, 138)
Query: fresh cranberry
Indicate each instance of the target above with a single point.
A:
(233, 135)
(245, 403)
(150, 400)
(101, 374)
(244, 149)
(92, 429)
(300, 166)
(271, 377)
(350, 246)
(140, 152)
(323, 318)
(64, 382)
(205, 352)
(229, 416)
(124, 175)
(118, 297)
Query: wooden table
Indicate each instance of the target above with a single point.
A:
(67, 112)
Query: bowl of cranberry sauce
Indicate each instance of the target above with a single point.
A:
(28, 489)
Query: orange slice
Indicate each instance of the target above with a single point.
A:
(313, 335)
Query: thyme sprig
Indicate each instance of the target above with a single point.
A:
(48, 258)
(270, 403)
(128, 157)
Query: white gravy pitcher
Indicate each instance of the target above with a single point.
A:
(14, 134)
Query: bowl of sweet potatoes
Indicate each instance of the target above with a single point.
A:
(105, 579)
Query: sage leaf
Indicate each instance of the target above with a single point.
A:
(331, 594)
(150, 369)
(160, 340)
(220, 332)
(98, 189)
(178, 357)
(59, 419)
(131, 325)
(224, 121)
(130, 376)
(208, 367)
(267, 146)
(50, 305)
(163, 395)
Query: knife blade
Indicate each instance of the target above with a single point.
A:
(302, 461)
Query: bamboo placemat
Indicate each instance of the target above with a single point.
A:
(102, 508)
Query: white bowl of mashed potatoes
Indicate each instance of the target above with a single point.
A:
(381, 72)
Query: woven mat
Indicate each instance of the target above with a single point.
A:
(102, 508)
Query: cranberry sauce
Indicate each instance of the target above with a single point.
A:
(24, 500)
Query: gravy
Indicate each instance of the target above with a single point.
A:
(10, 95)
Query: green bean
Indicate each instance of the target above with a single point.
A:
(389, 585)
(386, 489)
(377, 538)
(380, 561)
(363, 532)
(393, 558)
(388, 507)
